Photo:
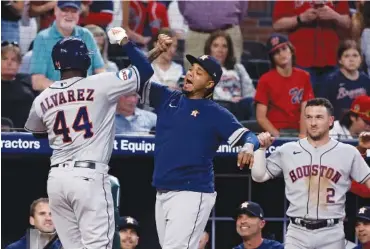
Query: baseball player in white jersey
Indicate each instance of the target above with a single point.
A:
(317, 171)
(77, 113)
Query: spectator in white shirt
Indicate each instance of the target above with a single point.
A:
(235, 91)
(353, 122)
(166, 71)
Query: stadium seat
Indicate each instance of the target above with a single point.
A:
(252, 125)
(255, 50)
(256, 67)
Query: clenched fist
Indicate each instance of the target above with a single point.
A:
(117, 35)
(265, 139)
(163, 43)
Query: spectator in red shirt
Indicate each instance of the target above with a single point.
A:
(100, 13)
(314, 30)
(283, 92)
(146, 18)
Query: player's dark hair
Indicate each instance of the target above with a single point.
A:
(321, 102)
(230, 59)
(35, 203)
(348, 44)
(292, 50)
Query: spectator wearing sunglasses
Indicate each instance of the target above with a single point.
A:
(16, 89)
(11, 12)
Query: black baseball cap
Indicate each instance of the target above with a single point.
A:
(209, 63)
(363, 213)
(276, 41)
(129, 222)
(249, 208)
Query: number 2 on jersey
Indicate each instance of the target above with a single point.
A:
(81, 123)
(330, 194)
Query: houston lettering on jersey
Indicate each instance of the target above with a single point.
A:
(67, 96)
(314, 170)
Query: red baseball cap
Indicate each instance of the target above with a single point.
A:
(361, 106)
(276, 41)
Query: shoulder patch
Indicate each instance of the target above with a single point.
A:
(125, 74)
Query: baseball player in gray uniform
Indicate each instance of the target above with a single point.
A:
(317, 171)
(77, 113)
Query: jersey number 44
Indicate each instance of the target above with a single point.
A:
(81, 123)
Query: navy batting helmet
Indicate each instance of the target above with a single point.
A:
(71, 53)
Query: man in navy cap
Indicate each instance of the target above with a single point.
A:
(363, 227)
(67, 14)
(249, 224)
(129, 232)
(190, 128)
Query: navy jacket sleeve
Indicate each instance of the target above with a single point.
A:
(139, 60)
(232, 131)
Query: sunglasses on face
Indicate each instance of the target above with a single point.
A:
(7, 43)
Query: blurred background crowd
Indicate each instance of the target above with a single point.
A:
(275, 56)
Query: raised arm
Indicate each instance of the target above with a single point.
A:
(118, 36)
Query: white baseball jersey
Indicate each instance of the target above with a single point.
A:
(78, 115)
(317, 179)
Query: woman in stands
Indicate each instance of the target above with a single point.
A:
(102, 42)
(235, 91)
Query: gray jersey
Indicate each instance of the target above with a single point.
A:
(78, 115)
(317, 179)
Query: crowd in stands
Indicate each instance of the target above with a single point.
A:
(319, 49)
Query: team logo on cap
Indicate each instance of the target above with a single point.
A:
(362, 210)
(275, 41)
(130, 220)
(244, 205)
(203, 57)
(356, 108)
(57, 64)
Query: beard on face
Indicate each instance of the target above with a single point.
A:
(316, 137)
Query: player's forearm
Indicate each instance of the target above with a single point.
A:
(285, 24)
(250, 138)
(153, 54)
(259, 171)
(40, 82)
(139, 60)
